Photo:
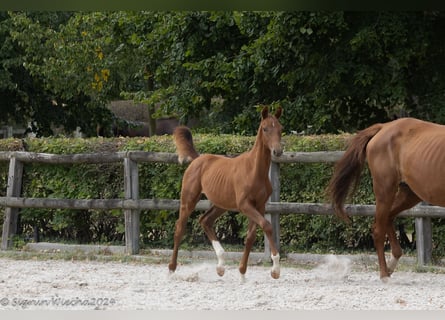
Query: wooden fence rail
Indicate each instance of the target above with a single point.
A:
(10, 131)
(131, 204)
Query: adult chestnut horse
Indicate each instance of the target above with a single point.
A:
(236, 184)
(405, 159)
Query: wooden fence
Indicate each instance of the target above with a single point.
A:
(9, 132)
(131, 204)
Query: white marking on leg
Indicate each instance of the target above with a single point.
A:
(392, 264)
(275, 272)
(242, 278)
(385, 279)
(220, 255)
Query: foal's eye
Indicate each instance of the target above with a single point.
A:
(264, 129)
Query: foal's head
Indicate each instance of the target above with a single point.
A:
(270, 129)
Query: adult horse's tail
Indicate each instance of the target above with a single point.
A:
(184, 144)
(348, 170)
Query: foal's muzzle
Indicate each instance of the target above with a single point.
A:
(277, 152)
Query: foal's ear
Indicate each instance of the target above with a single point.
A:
(265, 112)
(278, 112)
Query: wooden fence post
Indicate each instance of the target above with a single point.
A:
(11, 214)
(7, 132)
(424, 241)
(274, 218)
(132, 217)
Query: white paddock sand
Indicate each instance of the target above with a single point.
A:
(334, 283)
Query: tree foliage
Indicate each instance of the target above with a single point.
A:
(332, 71)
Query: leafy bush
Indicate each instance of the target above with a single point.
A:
(299, 183)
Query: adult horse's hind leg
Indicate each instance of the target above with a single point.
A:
(385, 185)
(404, 200)
(389, 202)
(207, 221)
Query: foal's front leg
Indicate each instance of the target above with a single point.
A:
(250, 239)
(257, 218)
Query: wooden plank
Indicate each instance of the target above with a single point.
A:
(173, 204)
(92, 158)
(144, 156)
(89, 158)
(9, 131)
(103, 204)
(308, 157)
(132, 216)
(11, 214)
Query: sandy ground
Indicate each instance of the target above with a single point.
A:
(334, 284)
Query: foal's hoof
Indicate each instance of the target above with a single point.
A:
(171, 268)
(275, 274)
(220, 271)
(385, 279)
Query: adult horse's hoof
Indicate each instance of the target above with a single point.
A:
(220, 271)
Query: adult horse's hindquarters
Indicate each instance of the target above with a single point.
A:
(405, 158)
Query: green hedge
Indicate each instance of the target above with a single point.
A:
(299, 183)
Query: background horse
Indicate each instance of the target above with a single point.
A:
(406, 159)
(236, 184)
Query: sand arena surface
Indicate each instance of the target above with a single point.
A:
(333, 284)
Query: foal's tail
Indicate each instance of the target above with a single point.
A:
(184, 144)
(348, 170)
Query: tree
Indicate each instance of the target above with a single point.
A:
(331, 71)
(23, 96)
(85, 62)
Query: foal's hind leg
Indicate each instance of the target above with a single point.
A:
(180, 228)
(405, 199)
(188, 203)
(207, 221)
